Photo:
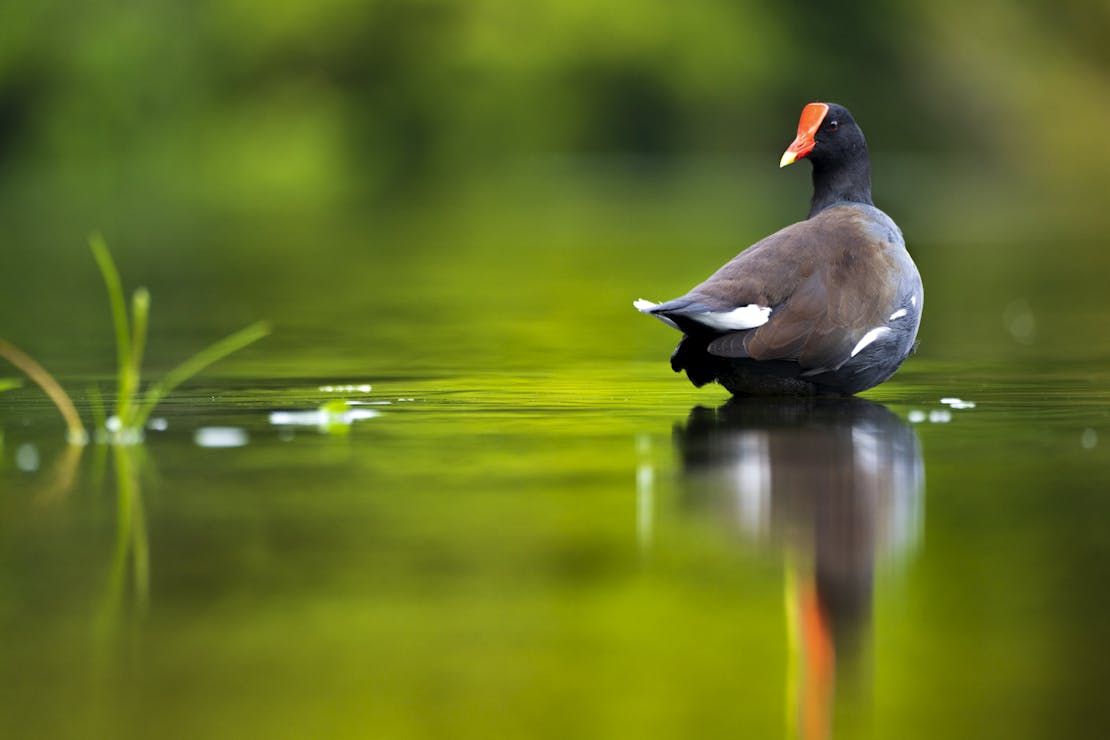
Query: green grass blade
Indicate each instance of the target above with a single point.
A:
(7, 384)
(195, 364)
(119, 320)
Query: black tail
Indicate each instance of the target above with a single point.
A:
(692, 356)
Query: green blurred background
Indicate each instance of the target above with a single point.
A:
(475, 157)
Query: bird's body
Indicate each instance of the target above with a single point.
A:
(829, 305)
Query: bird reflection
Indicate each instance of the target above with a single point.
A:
(834, 484)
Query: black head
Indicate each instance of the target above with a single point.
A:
(830, 138)
(827, 135)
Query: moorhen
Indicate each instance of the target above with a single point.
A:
(826, 306)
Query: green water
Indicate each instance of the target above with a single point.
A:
(530, 527)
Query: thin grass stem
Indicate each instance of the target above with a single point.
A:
(75, 431)
(195, 364)
(140, 310)
(116, 302)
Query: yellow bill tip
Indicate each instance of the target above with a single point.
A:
(788, 157)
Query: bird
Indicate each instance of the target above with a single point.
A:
(827, 306)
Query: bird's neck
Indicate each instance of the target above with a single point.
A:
(847, 181)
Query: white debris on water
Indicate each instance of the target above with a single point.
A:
(933, 416)
(321, 417)
(351, 388)
(27, 458)
(221, 437)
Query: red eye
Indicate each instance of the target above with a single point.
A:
(834, 125)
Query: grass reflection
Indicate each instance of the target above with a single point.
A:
(60, 476)
(834, 485)
(128, 583)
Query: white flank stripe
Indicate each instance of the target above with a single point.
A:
(868, 338)
(745, 317)
(913, 299)
(898, 314)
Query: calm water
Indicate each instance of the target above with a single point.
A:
(484, 557)
(523, 525)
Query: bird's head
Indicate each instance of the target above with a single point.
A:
(827, 133)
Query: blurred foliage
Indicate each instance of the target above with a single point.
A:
(255, 104)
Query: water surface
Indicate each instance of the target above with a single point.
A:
(559, 556)
(522, 524)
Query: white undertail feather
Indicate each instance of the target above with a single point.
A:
(644, 306)
(738, 319)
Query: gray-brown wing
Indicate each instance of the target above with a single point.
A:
(836, 297)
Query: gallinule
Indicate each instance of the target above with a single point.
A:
(826, 306)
